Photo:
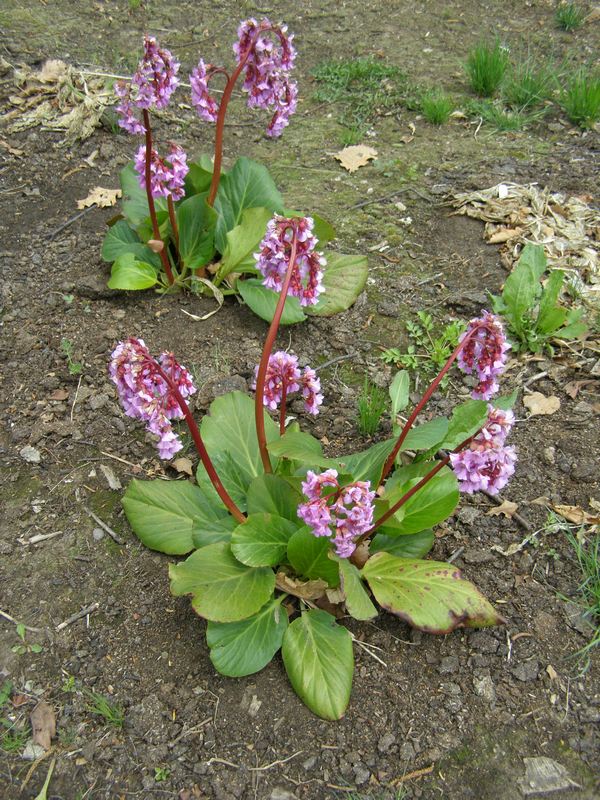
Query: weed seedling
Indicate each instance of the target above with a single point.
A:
(75, 367)
(436, 107)
(111, 712)
(24, 647)
(12, 739)
(161, 774)
(372, 403)
(569, 16)
(580, 98)
(486, 66)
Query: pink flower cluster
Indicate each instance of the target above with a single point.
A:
(283, 371)
(267, 64)
(167, 176)
(146, 395)
(152, 85)
(204, 103)
(343, 520)
(275, 253)
(487, 463)
(484, 354)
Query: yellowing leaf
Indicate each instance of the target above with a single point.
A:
(540, 405)
(507, 508)
(351, 158)
(576, 515)
(103, 198)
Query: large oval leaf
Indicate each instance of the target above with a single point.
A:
(274, 495)
(263, 302)
(367, 464)
(245, 647)
(357, 600)
(309, 556)
(301, 446)
(344, 278)
(135, 202)
(166, 515)
(435, 501)
(413, 545)
(243, 241)
(262, 540)
(196, 221)
(223, 589)
(120, 239)
(130, 274)
(319, 661)
(429, 595)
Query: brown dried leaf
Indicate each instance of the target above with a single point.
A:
(183, 464)
(504, 235)
(351, 158)
(507, 508)
(103, 198)
(43, 724)
(576, 515)
(540, 405)
(307, 590)
(59, 394)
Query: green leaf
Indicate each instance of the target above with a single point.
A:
(367, 464)
(262, 540)
(134, 203)
(223, 589)
(243, 241)
(435, 501)
(199, 176)
(247, 185)
(344, 278)
(121, 239)
(324, 231)
(399, 393)
(309, 556)
(196, 221)
(466, 420)
(229, 427)
(358, 602)
(425, 436)
(218, 530)
(263, 302)
(165, 515)
(522, 287)
(550, 315)
(506, 402)
(272, 494)
(413, 545)
(233, 476)
(302, 447)
(318, 658)
(429, 595)
(128, 273)
(573, 327)
(245, 647)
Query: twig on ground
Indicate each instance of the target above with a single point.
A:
(75, 398)
(190, 731)
(215, 760)
(455, 555)
(77, 616)
(118, 458)
(335, 361)
(70, 221)
(418, 773)
(276, 763)
(39, 537)
(113, 535)
(517, 517)
(16, 622)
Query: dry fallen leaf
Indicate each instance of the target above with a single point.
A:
(43, 724)
(307, 590)
(576, 515)
(59, 394)
(503, 235)
(183, 465)
(507, 508)
(103, 198)
(540, 405)
(351, 158)
(552, 673)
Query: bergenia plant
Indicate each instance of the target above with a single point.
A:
(191, 225)
(286, 542)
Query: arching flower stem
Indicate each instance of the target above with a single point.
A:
(174, 226)
(151, 207)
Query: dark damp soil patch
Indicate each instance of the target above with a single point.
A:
(472, 704)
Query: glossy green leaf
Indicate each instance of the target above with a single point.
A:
(465, 421)
(134, 202)
(120, 239)
(573, 326)
(309, 556)
(165, 515)
(263, 302)
(229, 427)
(367, 464)
(223, 589)
(235, 477)
(245, 647)
(244, 241)
(196, 221)
(399, 393)
(357, 600)
(199, 176)
(303, 447)
(262, 540)
(429, 595)
(505, 402)
(550, 315)
(522, 287)
(425, 436)
(130, 274)
(246, 185)
(218, 530)
(433, 502)
(318, 658)
(344, 278)
(323, 231)
(272, 494)
(412, 545)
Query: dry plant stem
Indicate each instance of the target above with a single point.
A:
(423, 402)
(151, 208)
(259, 413)
(173, 219)
(202, 451)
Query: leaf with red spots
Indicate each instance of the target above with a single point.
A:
(429, 595)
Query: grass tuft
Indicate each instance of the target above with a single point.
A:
(486, 66)
(528, 84)
(111, 712)
(372, 403)
(504, 119)
(436, 107)
(569, 16)
(580, 98)
(588, 556)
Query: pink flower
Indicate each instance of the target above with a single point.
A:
(146, 395)
(346, 518)
(283, 371)
(484, 354)
(204, 103)
(167, 176)
(275, 253)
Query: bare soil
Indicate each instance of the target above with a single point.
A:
(451, 716)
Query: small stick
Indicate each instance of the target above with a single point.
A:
(79, 615)
(517, 517)
(418, 773)
(455, 555)
(275, 763)
(75, 398)
(40, 537)
(70, 221)
(118, 458)
(114, 536)
(335, 361)
(15, 622)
